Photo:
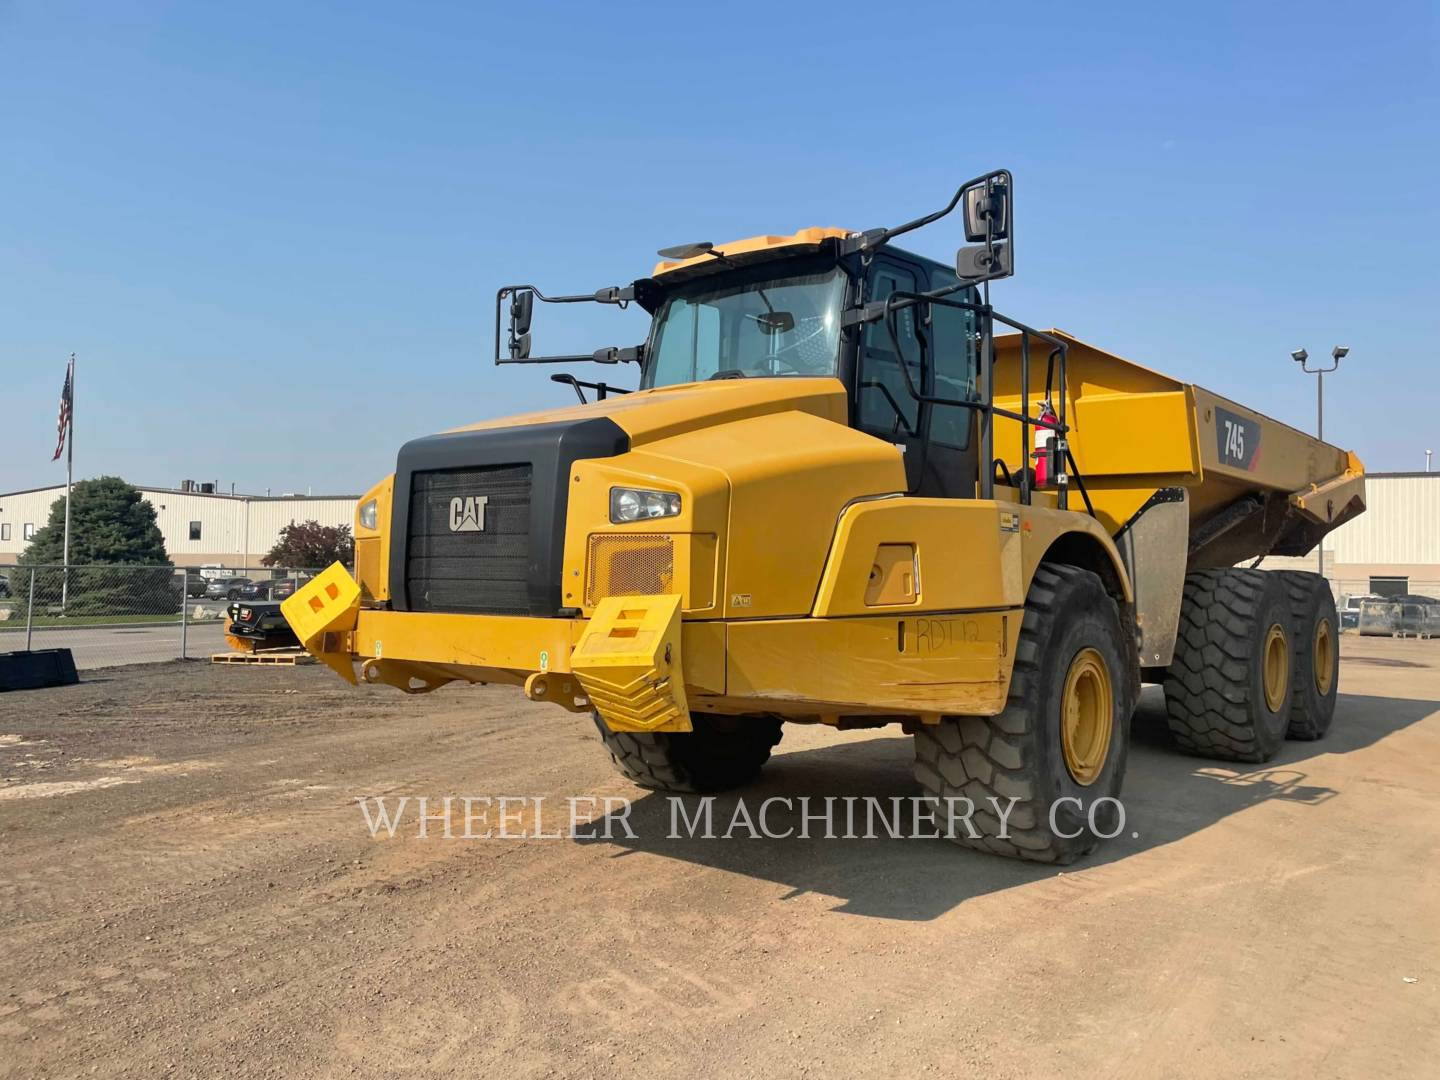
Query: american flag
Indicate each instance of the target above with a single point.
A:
(67, 403)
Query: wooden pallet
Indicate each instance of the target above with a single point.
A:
(288, 657)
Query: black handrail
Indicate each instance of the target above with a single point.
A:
(601, 388)
(900, 299)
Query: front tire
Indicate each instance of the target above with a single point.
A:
(1060, 745)
(722, 752)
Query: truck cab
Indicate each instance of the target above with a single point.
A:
(784, 315)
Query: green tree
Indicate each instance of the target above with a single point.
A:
(310, 545)
(110, 524)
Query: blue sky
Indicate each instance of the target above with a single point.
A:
(273, 232)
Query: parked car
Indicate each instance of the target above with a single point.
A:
(257, 590)
(195, 585)
(269, 589)
(279, 590)
(225, 588)
(1350, 610)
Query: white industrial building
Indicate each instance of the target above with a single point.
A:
(200, 528)
(1394, 547)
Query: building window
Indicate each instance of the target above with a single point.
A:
(29, 530)
(1389, 586)
(194, 530)
(5, 531)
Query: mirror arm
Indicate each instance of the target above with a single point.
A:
(868, 240)
(873, 238)
(865, 313)
(635, 355)
(621, 296)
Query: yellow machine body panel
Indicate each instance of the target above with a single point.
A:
(920, 665)
(666, 411)
(372, 545)
(1134, 431)
(1002, 543)
(752, 541)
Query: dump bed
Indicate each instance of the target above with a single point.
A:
(1254, 486)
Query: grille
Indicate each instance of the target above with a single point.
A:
(632, 564)
(482, 567)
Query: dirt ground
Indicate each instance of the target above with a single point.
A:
(188, 888)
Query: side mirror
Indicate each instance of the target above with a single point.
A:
(522, 305)
(987, 211)
(983, 263)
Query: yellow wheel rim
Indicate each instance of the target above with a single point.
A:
(1324, 656)
(1277, 667)
(1087, 716)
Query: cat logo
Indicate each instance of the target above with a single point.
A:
(468, 514)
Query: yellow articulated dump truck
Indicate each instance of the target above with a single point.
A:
(847, 491)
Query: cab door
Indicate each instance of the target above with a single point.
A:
(939, 347)
(884, 406)
(951, 349)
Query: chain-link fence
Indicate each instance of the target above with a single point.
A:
(110, 615)
(1389, 606)
(1398, 586)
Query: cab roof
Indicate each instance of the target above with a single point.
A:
(804, 241)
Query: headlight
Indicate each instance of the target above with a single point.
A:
(635, 504)
(370, 514)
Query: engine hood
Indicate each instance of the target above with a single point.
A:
(649, 415)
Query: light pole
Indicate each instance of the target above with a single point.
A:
(1427, 459)
(1338, 353)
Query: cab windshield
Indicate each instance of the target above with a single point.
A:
(748, 324)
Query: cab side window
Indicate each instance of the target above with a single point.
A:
(956, 365)
(884, 404)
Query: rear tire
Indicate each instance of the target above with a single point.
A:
(1317, 654)
(1228, 688)
(1071, 626)
(722, 752)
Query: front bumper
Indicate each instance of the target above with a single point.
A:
(624, 661)
(516, 643)
(327, 618)
(640, 666)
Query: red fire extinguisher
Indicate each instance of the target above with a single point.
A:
(1044, 432)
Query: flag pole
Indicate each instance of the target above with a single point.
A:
(69, 483)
